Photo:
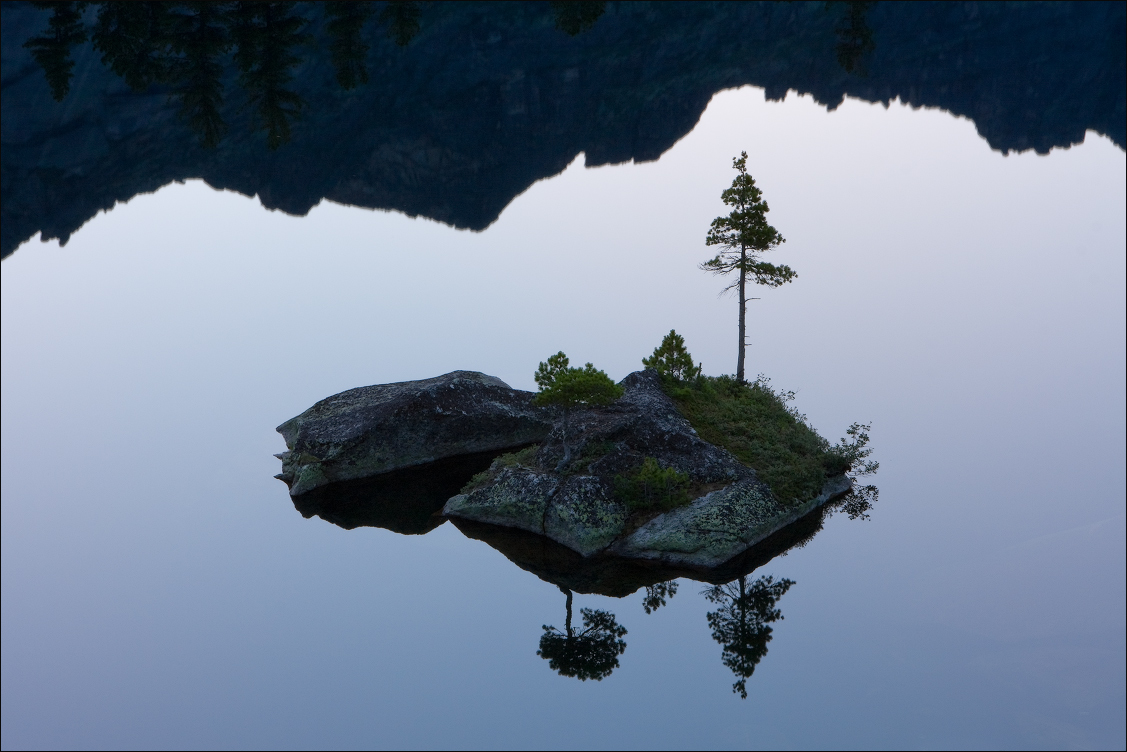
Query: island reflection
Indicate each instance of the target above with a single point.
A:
(410, 502)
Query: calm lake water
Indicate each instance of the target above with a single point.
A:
(160, 590)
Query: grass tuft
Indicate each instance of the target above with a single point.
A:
(524, 458)
(757, 424)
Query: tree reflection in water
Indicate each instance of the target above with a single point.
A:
(52, 48)
(346, 43)
(402, 19)
(588, 654)
(854, 37)
(656, 595)
(741, 624)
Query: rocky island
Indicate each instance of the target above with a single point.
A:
(643, 498)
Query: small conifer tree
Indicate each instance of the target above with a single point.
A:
(568, 388)
(672, 359)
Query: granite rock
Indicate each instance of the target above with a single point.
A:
(379, 429)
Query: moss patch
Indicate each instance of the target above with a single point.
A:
(522, 458)
(757, 425)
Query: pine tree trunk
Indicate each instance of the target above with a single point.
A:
(743, 312)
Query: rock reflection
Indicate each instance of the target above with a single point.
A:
(407, 501)
(589, 653)
(410, 502)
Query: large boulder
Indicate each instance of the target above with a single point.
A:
(380, 429)
(579, 508)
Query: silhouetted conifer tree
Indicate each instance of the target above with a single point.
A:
(575, 16)
(402, 19)
(266, 34)
(133, 40)
(349, 51)
(855, 38)
(197, 35)
(52, 49)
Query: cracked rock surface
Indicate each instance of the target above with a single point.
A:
(578, 507)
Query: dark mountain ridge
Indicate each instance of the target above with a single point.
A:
(488, 98)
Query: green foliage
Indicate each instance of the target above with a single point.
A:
(742, 623)
(568, 387)
(743, 236)
(672, 360)
(522, 458)
(745, 233)
(854, 450)
(652, 487)
(756, 424)
(576, 16)
(52, 50)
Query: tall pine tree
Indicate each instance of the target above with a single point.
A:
(743, 236)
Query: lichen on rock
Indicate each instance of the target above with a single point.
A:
(577, 506)
(720, 525)
(385, 455)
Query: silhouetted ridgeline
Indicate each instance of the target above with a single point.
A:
(457, 108)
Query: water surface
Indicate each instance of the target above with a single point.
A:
(160, 589)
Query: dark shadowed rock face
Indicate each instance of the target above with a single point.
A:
(379, 429)
(578, 507)
(408, 502)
